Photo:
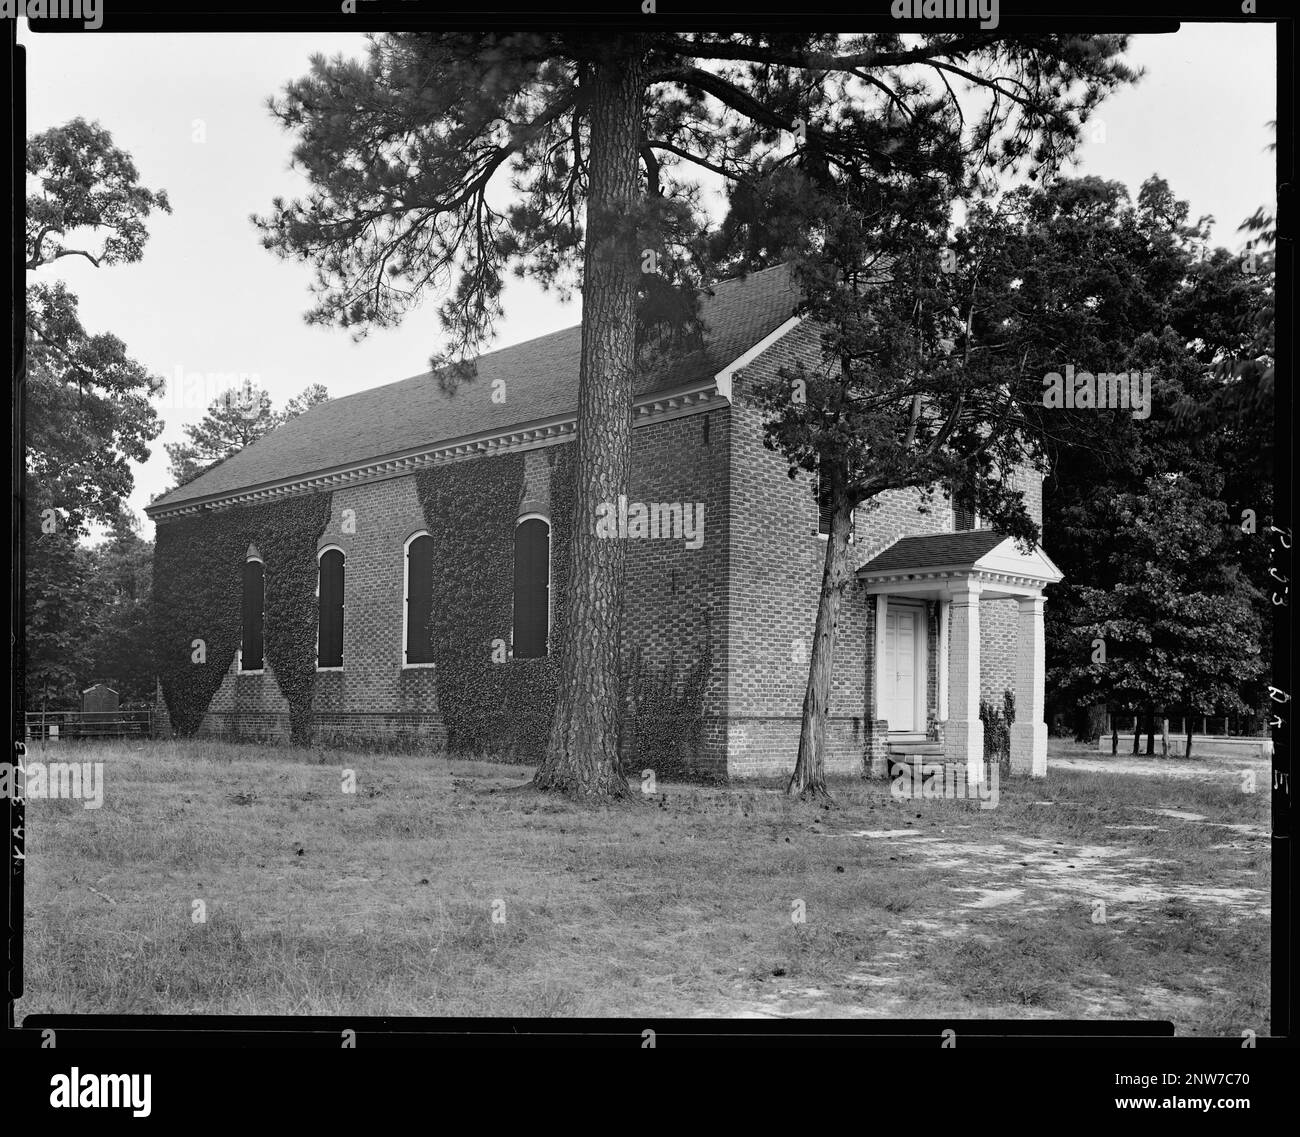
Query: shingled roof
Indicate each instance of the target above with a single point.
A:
(541, 377)
(935, 551)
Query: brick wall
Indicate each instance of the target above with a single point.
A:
(999, 619)
(748, 594)
(675, 597)
(371, 524)
(774, 582)
(998, 635)
(776, 561)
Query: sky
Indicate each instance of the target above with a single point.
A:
(207, 300)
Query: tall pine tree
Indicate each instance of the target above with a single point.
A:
(600, 134)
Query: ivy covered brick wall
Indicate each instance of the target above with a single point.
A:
(502, 708)
(491, 704)
(197, 582)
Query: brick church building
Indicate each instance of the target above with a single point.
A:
(941, 615)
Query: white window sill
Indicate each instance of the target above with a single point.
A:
(259, 671)
(329, 668)
(418, 666)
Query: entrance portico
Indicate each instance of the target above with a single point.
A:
(954, 573)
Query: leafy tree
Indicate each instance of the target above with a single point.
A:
(84, 402)
(58, 618)
(87, 402)
(86, 183)
(236, 418)
(406, 149)
(89, 617)
(1178, 624)
(1247, 373)
(1183, 311)
(934, 381)
(121, 635)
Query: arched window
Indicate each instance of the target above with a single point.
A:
(252, 629)
(532, 587)
(417, 640)
(329, 642)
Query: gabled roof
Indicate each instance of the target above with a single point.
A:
(982, 552)
(935, 550)
(541, 378)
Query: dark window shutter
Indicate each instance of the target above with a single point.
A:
(419, 600)
(532, 588)
(824, 510)
(330, 650)
(252, 639)
(962, 519)
(825, 515)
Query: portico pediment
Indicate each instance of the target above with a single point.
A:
(938, 564)
(958, 571)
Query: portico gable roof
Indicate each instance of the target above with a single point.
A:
(928, 563)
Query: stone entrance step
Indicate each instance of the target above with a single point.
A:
(916, 749)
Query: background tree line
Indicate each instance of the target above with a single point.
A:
(88, 416)
(838, 157)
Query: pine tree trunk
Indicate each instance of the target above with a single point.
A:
(1164, 736)
(581, 757)
(1151, 731)
(809, 778)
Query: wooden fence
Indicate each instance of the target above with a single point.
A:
(1226, 726)
(52, 726)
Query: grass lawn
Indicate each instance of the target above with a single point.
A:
(439, 888)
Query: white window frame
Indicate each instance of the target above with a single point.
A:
(320, 553)
(406, 598)
(239, 652)
(550, 590)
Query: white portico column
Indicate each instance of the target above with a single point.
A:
(1029, 731)
(964, 736)
(941, 672)
(879, 706)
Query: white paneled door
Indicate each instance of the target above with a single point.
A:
(902, 634)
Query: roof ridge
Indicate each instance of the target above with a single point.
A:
(514, 346)
(543, 372)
